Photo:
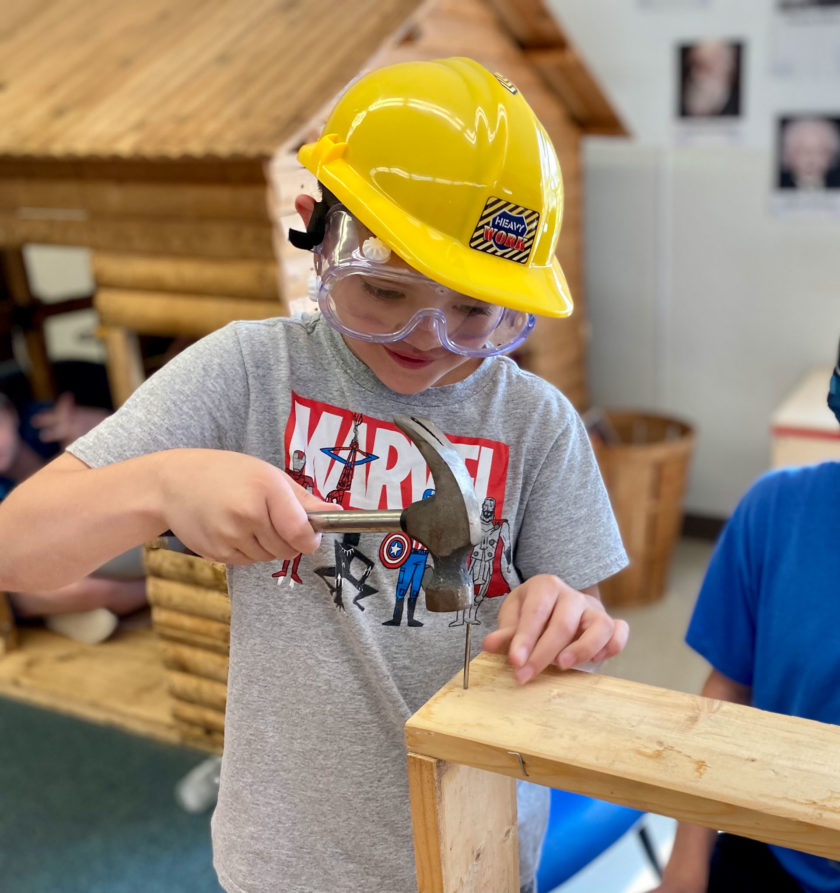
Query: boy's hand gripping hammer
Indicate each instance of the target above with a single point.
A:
(447, 523)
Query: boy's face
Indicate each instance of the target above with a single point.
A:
(417, 361)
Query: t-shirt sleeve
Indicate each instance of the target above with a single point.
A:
(722, 628)
(197, 400)
(569, 528)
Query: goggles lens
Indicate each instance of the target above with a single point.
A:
(384, 300)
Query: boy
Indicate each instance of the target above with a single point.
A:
(434, 240)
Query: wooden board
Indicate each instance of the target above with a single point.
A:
(121, 682)
(196, 238)
(171, 314)
(459, 814)
(8, 630)
(115, 198)
(189, 275)
(565, 72)
(762, 775)
(531, 24)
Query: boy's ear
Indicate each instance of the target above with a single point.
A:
(305, 205)
(314, 216)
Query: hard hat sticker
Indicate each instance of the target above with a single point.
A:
(508, 85)
(505, 230)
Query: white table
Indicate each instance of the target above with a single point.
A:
(803, 428)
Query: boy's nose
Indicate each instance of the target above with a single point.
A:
(424, 335)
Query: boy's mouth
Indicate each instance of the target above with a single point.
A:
(409, 359)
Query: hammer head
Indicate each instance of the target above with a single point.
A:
(448, 522)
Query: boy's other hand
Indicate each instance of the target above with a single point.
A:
(237, 509)
(544, 621)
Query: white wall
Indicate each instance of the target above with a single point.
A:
(702, 303)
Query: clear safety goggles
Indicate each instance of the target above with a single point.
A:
(365, 291)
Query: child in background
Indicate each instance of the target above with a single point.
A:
(87, 610)
(434, 241)
(769, 595)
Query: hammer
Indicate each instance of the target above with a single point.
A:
(447, 523)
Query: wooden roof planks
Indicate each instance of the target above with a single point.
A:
(196, 79)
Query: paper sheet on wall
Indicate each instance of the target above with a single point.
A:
(805, 39)
(668, 5)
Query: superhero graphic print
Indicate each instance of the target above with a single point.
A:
(361, 462)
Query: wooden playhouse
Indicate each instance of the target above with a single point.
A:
(164, 143)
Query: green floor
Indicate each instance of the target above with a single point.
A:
(89, 809)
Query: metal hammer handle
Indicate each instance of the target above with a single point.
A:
(357, 521)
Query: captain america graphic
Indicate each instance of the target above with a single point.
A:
(411, 559)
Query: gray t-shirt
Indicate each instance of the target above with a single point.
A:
(331, 653)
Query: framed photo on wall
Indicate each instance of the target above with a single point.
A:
(807, 163)
(710, 79)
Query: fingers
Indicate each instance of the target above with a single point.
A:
(47, 424)
(52, 424)
(594, 640)
(236, 509)
(616, 644)
(311, 502)
(545, 622)
(498, 642)
(288, 530)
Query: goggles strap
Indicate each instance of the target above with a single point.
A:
(315, 231)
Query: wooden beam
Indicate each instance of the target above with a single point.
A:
(123, 361)
(199, 661)
(197, 690)
(761, 775)
(202, 238)
(234, 277)
(136, 170)
(530, 23)
(8, 630)
(566, 74)
(464, 828)
(16, 283)
(172, 315)
(189, 598)
(160, 561)
(114, 198)
(188, 628)
(201, 721)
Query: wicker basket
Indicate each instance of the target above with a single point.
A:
(645, 468)
(191, 616)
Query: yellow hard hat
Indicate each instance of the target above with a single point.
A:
(450, 167)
